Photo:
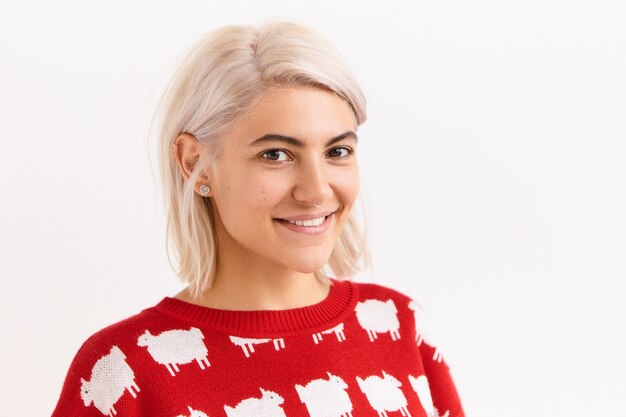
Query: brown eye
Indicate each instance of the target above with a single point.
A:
(340, 152)
(274, 155)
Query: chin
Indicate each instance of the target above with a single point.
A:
(305, 260)
(317, 260)
(307, 266)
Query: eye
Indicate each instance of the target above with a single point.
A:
(274, 155)
(340, 152)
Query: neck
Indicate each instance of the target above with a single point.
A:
(233, 289)
(244, 281)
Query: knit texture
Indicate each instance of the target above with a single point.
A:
(362, 351)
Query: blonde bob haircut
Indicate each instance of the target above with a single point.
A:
(224, 75)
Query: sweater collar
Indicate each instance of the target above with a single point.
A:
(342, 296)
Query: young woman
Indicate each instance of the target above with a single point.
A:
(259, 159)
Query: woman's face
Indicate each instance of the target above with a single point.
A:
(294, 149)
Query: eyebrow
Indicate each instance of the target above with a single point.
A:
(274, 137)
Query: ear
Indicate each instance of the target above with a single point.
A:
(186, 149)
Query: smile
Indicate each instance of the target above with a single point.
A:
(309, 223)
(314, 226)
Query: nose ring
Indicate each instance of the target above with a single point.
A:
(317, 205)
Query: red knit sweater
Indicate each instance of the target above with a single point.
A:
(355, 354)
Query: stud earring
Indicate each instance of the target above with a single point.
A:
(205, 189)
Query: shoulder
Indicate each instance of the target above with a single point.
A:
(104, 366)
(386, 300)
(368, 290)
(383, 299)
(118, 339)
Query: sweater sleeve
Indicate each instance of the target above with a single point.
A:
(445, 398)
(98, 383)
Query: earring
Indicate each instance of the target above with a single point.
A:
(205, 189)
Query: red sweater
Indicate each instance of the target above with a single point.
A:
(360, 352)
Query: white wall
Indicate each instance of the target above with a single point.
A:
(492, 161)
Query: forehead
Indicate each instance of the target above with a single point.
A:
(307, 113)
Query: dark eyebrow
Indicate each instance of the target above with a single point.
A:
(274, 137)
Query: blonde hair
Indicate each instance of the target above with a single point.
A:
(223, 76)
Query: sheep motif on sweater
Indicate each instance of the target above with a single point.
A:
(100, 390)
(383, 393)
(268, 405)
(176, 347)
(420, 386)
(326, 397)
(336, 330)
(376, 316)
(422, 332)
(247, 344)
(194, 413)
(360, 352)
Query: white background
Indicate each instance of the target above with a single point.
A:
(492, 165)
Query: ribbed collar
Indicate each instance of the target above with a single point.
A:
(340, 301)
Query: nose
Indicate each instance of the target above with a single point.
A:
(311, 185)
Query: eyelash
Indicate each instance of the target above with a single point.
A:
(261, 155)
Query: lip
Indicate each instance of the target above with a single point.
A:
(307, 216)
(309, 230)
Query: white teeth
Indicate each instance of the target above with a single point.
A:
(312, 222)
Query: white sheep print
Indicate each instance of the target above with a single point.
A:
(371, 363)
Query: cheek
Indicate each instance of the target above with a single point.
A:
(254, 193)
(347, 185)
